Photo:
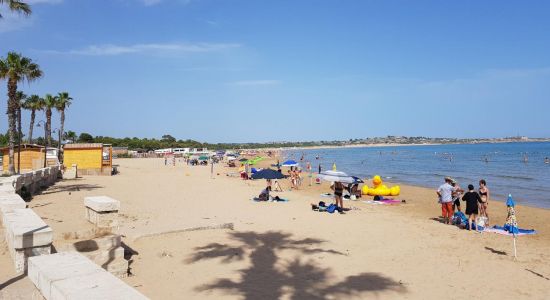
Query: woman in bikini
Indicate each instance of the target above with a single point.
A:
(484, 193)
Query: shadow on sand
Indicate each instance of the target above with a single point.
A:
(77, 187)
(272, 277)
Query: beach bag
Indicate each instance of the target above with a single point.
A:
(459, 218)
(331, 208)
(481, 221)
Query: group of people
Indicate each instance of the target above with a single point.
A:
(450, 194)
(295, 177)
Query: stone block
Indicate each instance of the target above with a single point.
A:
(25, 229)
(102, 203)
(93, 286)
(106, 242)
(118, 267)
(21, 256)
(104, 257)
(7, 188)
(102, 219)
(43, 271)
(9, 202)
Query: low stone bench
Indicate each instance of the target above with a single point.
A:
(9, 202)
(102, 211)
(7, 188)
(70, 275)
(71, 173)
(105, 251)
(26, 235)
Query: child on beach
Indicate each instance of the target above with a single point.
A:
(472, 199)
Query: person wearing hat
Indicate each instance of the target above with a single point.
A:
(445, 194)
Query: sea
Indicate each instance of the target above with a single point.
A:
(517, 168)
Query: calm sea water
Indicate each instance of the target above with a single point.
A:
(503, 166)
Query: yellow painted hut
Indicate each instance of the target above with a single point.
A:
(91, 159)
(32, 157)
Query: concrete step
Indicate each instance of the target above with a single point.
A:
(71, 275)
(105, 242)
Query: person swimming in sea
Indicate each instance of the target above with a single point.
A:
(547, 160)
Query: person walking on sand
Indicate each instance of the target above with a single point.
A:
(472, 199)
(445, 194)
(484, 194)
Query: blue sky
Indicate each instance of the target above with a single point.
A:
(236, 70)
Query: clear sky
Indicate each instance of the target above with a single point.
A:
(249, 70)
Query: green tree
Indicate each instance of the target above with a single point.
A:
(62, 103)
(16, 68)
(33, 103)
(17, 6)
(49, 103)
(85, 138)
(70, 135)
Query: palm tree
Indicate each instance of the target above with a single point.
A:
(49, 103)
(70, 135)
(20, 97)
(33, 103)
(63, 102)
(16, 68)
(17, 6)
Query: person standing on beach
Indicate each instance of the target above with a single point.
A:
(338, 189)
(319, 168)
(456, 195)
(484, 194)
(445, 194)
(472, 199)
(308, 168)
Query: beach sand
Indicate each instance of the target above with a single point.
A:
(177, 222)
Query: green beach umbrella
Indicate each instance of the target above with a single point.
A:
(203, 157)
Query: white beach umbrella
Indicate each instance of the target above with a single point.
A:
(336, 176)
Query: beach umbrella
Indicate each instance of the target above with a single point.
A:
(243, 160)
(357, 179)
(203, 157)
(290, 163)
(336, 176)
(268, 174)
(511, 224)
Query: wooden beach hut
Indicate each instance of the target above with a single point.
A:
(32, 157)
(91, 159)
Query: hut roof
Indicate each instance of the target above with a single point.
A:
(23, 147)
(83, 146)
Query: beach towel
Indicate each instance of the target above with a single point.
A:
(256, 199)
(383, 202)
(459, 218)
(332, 208)
(502, 230)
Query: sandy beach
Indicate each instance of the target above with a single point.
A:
(190, 235)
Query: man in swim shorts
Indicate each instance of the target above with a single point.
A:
(445, 194)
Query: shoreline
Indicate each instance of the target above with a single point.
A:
(381, 145)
